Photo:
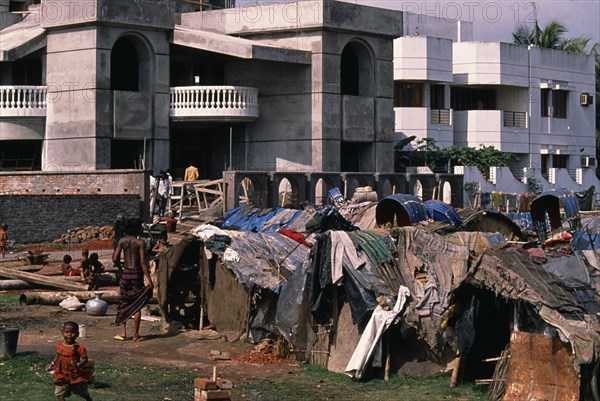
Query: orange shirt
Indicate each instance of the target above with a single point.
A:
(64, 371)
(2, 238)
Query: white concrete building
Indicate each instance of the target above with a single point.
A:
(533, 102)
(102, 84)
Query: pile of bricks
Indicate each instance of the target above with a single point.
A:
(207, 389)
(82, 234)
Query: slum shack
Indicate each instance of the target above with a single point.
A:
(240, 275)
(446, 300)
(178, 282)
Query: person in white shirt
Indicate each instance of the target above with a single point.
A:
(152, 191)
(164, 191)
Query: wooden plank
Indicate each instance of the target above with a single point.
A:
(42, 280)
(209, 183)
(209, 191)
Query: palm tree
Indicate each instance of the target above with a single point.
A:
(550, 37)
(576, 45)
(525, 35)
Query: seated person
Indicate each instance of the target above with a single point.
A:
(67, 269)
(92, 271)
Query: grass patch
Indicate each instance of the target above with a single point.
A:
(25, 378)
(314, 383)
(9, 300)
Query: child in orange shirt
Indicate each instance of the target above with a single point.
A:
(71, 358)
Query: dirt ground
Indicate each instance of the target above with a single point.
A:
(40, 331)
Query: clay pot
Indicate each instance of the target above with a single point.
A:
(96, 306)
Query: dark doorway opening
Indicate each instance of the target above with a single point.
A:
(124, 67)
(126, 154)
(20, 155)
(350, 156)
(349, 72)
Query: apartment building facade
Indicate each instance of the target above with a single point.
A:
(536, 103)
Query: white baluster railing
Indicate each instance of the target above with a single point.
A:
(22, 98)
(210, 102)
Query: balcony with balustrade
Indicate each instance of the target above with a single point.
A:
(214, 103)
(23, 101)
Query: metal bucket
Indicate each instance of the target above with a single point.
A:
(9, 337)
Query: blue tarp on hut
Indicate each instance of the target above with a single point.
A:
(440, 211)
(406, 209)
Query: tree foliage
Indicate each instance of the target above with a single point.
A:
(441, 159)
(550, 36)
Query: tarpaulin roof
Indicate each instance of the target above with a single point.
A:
(407, 209)
(549, 202)
(265, 259)
(490, 221)
(248, 218)
(512, 275)
(440, 211)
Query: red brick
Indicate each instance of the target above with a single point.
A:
(215, 395)
(205, 384)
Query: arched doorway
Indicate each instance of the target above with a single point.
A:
(130, 71)
(288, 193)
(356, 70)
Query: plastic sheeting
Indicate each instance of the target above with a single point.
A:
(247, 218)
(377, 325)
(293, 310)
(404, 208)
(571, 269)
(585, 240)
(264, 258)
(440, 211)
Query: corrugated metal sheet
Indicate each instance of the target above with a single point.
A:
(540, 368)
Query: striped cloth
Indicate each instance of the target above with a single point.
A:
(133, 295)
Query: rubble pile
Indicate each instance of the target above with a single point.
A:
(266, 352)
(83, 234)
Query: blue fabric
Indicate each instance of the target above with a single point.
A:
(523, 220)
(440, 211)
(252, 220)
(582, 241)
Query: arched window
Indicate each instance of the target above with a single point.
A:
(356, 70)
(124, 66)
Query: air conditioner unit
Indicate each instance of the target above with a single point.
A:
(587, 161)
(585, 99)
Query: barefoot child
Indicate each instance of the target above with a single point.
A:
(71, 358)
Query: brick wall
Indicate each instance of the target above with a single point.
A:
(98, 182)
(40, 206)
(40, 218)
